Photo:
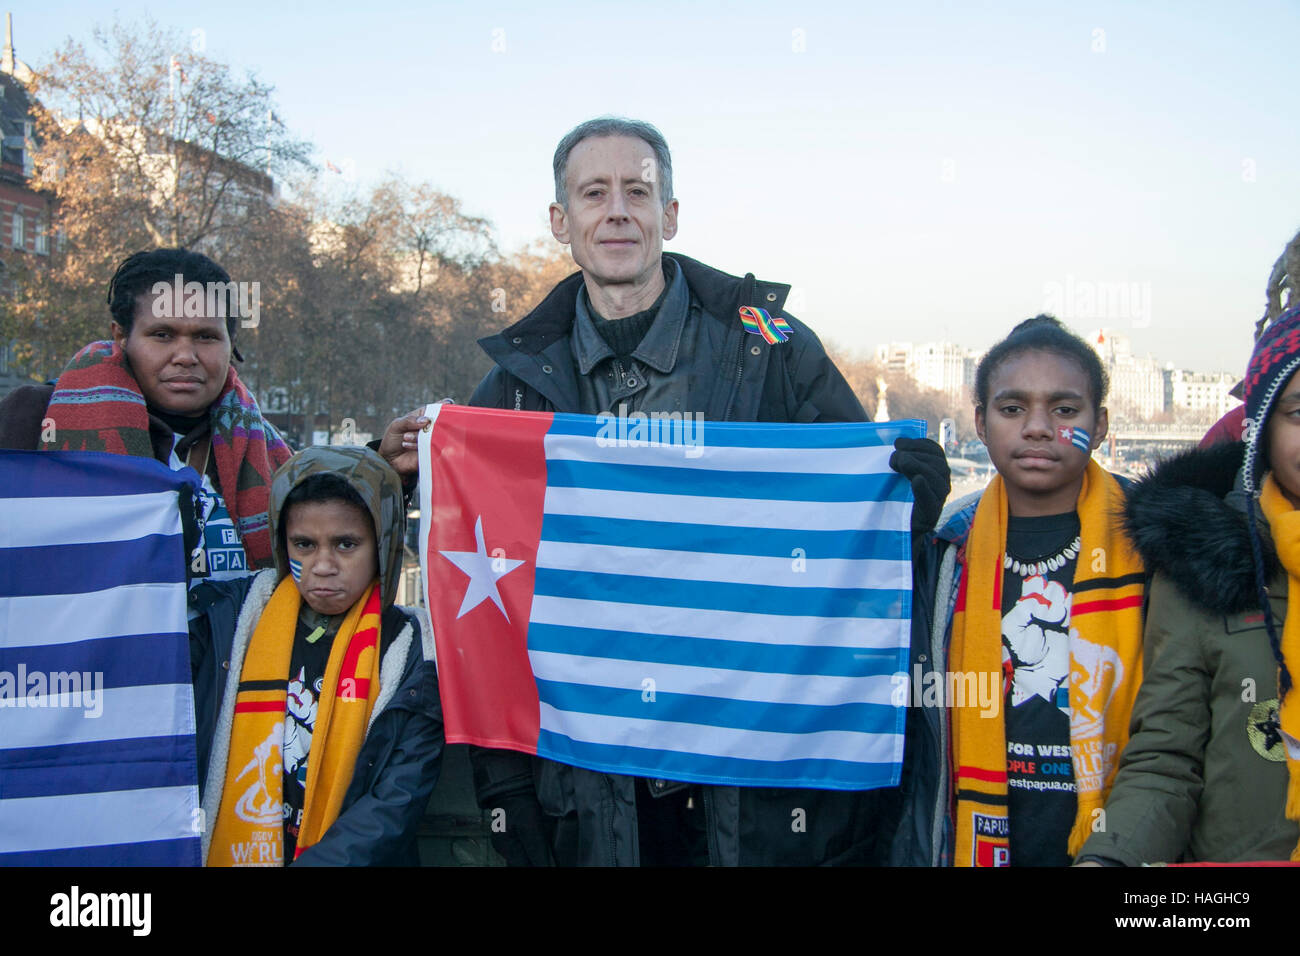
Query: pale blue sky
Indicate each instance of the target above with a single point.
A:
(917, 171)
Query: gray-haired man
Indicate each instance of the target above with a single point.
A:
(638, 330)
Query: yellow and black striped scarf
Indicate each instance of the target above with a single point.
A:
(1284, 526)
(1105, 666)
(249, 829)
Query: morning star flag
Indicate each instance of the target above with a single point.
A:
(97, 753)
(711, 602)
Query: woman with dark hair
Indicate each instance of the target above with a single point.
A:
(164, 388)
(1027, 636)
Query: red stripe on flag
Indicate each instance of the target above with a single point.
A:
(1115, 604)
(487, 464)
(253, 706)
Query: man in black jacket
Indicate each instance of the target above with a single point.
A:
(638, 330)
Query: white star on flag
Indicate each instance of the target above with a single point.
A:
(483, 574)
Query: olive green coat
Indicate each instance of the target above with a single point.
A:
(1204, 775)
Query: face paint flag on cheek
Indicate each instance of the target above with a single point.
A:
(295, 568)
(1077, 437)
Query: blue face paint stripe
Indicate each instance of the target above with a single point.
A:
(295, 568)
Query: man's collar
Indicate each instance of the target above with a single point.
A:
(659, 347)
(589, 346)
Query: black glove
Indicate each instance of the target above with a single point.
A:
(523, 835)
(925, 466)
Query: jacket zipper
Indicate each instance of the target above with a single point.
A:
(740, 371)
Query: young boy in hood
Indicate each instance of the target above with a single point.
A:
(1212, 771)
(319, 724)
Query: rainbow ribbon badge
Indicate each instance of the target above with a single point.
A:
(1077, 437)
(759, 322)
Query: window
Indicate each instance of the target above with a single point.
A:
(29, 164)
(41, 238)
(18, 227)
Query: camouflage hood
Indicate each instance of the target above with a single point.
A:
(372, 478)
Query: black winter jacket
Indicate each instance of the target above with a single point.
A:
(593, 815)
(794, 381)
(399, 760)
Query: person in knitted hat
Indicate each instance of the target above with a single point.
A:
(1211, 773)
(1281, 294)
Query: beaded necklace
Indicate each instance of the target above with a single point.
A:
(1042, 565)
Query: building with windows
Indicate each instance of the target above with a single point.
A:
(24, 211)
(1137, 384)
(942, 366)
(1141, 389)
(895, 357)
(1206, 394)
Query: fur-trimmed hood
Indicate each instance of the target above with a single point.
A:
(1188, 521)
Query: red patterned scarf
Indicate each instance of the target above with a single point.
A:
(97, 405)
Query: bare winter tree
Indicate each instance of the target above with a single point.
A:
(141, 142)
(907, 397)
(372, 301)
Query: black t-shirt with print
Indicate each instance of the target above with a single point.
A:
(306, 675)
(1041, 797)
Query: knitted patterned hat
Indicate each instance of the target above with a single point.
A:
(1275, 359)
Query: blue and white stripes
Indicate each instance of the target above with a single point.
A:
(97, 750)
(732, 615)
